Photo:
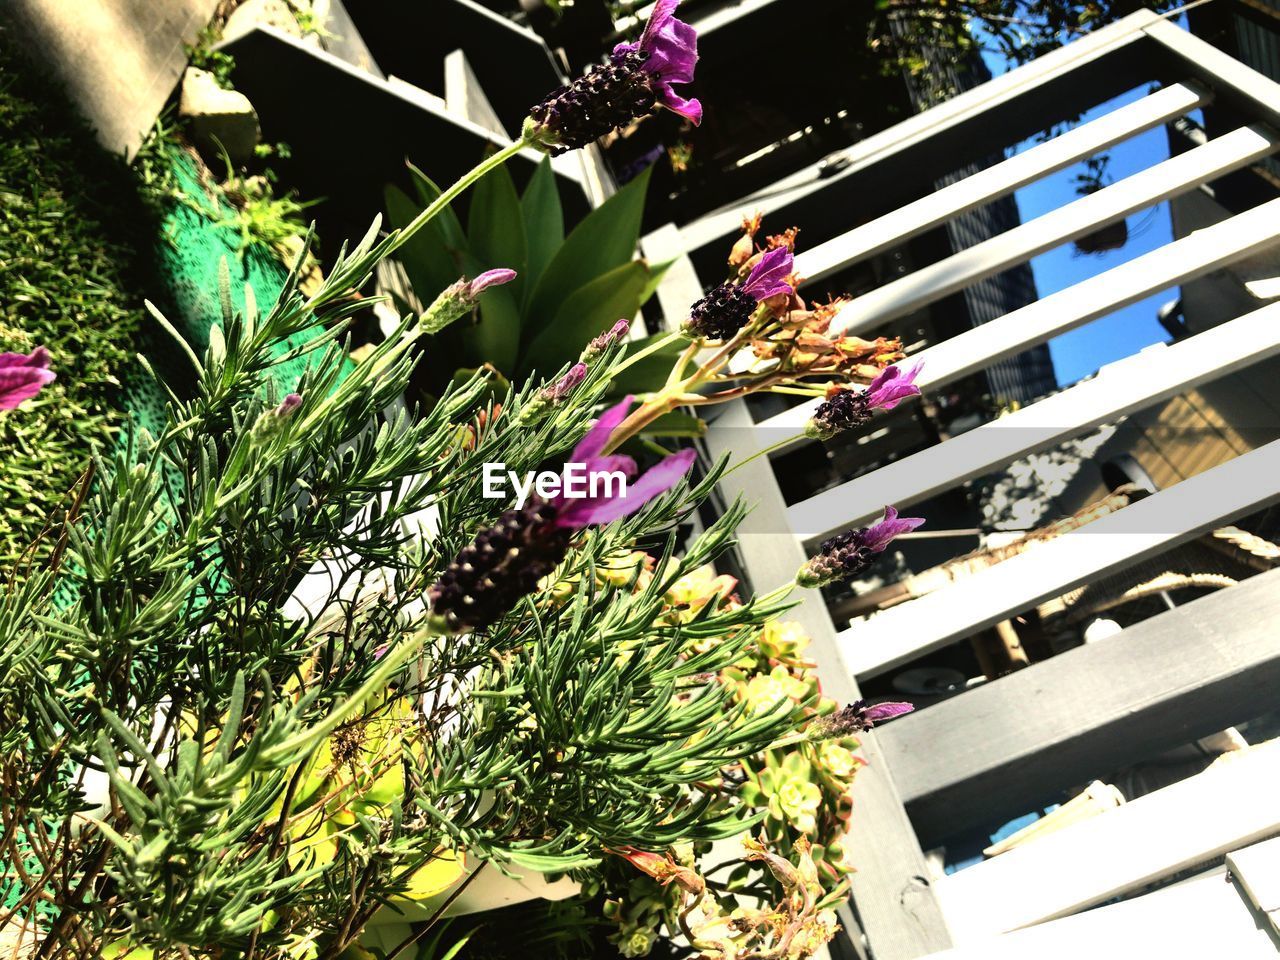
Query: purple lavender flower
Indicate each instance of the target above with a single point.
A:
(506, 561)
(23, 375)
(606, 340)
(566, 384)
(855, 718)
(848, 554)
(847, 409)
(637, 77)
(288, 405)
(727, 308)
(457, 299)
(489, 278)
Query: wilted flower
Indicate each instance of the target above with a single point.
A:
(506, 561)
(23, 375)
(664, 869)
(855, 718)
(636, 77)
(460, 298)
(727, 308)
(847, 409)
(848, 554)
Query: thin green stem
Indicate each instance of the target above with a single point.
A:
(784, 442)
(448, 196)
(639, 355)
(394, 659)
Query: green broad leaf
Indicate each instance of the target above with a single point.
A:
(496, 338)
(677, 424)
(495, 226)
(426, 257)
(543, 224)
(604, 240)
(649, 374)
(584, 314)
(446, 222)
(656, 273)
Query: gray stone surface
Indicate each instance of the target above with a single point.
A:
(217, 119)
(118, 59)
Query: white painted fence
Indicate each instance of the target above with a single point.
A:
(900, 912)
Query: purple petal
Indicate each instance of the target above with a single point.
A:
(768, 278)
(490, 278)
(672, 45)
(892, 386)
(691, 110)
(881, 533)
(288, 405)
(598, 436)
(885, 711)
(568, 383)
(656, 480)
(22, 376)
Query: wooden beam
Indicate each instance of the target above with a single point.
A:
(895, 902)
(1119, 389)
(1186, 259)
(1205, 916)
(998, 180)
(1012, 744)
(991, 116)
(1226, 807)
(896, 906)
(1172, 177)
(1118, 540)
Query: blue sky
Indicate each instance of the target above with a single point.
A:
(1080, 352)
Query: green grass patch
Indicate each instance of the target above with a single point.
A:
(71, 229)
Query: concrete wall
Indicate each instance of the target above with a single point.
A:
(119, 59)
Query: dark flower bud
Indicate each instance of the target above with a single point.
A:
(504, 563)
(847, 554)
(636, 78)
(855, 718)
(843, 410)
(721, 313)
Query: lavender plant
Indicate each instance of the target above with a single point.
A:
(315, 674)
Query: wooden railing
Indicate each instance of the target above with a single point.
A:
(942, 770)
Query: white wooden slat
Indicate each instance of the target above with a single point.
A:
(1257, 870)
(1119, 389)
(1204, 916)
(998, 180)
(1229, 805)
(1186, 259)
(1176, 175)
(1141, 530)
(1228, 74)
(954, 112)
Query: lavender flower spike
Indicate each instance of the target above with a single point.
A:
(487, 279)
(604, 341)
(637, 77)
(566, 384)
(23, 375)
(505, 561)
(847, 409)
(847, 554)
(457, 299)
(726, 309)
(855, 718)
